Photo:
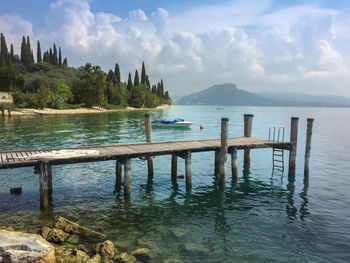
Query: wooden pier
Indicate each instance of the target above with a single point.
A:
(44, 159)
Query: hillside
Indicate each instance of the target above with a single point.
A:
(225, 94)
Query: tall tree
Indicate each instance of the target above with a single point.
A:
(4, 54)
(147, 82)
(51, 57)
(136, 79)
(38, 53)
(143, 73)
(23, 51)
(117, 73)
(130, 85)
(30, 56)
(65, 62)
(46, 57)
(59, 57)
(54, 55)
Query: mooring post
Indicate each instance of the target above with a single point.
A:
(223, 150)
(45, 184)
(148, 128)
(234, 163)
(248, 124)
(310, 122)
(216, 162)
(118, 174)
(188, 170)
(127, 178)
(173, 167)
(293, 149)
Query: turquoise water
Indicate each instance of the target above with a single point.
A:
(261, 217)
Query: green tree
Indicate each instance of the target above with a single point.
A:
(46, 57)
(61, 95)
(4, 54)
(43, 96)
(29, 52)
(130, 85)
(38, 53)
(12, 54)
(65, 62)
(136, 79)
(143, 73)
(59, 58)
(117, 73)
(54, 58)
(10, 79)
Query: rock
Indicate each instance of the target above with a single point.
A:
(53, 234)
(74, 239)
(192, 247)
(8, 228)
(21, 247)
(125, 258)
(105, 249)
(66, 254)
(143, 255)
(74, 228)
(95, 259)
(82, 248)
(179, 233)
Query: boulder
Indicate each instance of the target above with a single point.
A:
(74, 228)
(106, 249)
(74, 239)
(95, 259)
(125, 258)
(53, 234)
(143, 254)
(67, 254)
(20, 247)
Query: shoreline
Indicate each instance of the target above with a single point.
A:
(49, 111)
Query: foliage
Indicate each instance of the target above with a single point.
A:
(10, 79)
(44, 96)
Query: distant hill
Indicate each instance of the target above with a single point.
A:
(225, 94)
(229, 94)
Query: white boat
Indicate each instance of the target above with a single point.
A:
(174, 123)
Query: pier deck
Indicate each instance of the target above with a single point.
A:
(25, 158)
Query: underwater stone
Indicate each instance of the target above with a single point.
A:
(192, 247)
(20, 247)
(66, 254)
(143, 254)
(105, 249)
(53, 234)
(95, 259)
(74, 239)
(125, 258)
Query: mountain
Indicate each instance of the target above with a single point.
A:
(303, 98)
(229, 94)
(225, 94)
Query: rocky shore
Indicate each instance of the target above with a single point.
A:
(65, 242)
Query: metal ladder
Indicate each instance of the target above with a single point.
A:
(277, 154)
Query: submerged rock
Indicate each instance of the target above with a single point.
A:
(53, 234)
(144, 255)
(74, 228)
(125, 258)
(95, 259)
(67, 254)
(106, 249)
(19, 247)
(197, 248)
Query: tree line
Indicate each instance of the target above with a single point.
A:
(50, 82)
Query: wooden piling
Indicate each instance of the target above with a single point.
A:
(188, 170)
(216, 162)
(173, 167)
(293, 149)
(148, 129)
(248, 125)
(118, 174)
(234, 163)
(45, 184)
(310, 122)
(127, 178)
(223, 150)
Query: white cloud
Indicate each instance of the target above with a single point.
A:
(241, 41)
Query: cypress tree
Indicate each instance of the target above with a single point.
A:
(54, 59)
(161, 88)
(65, 62)
(143, 73)
(46, 57)
(38, 53)
(12, 54)
(29, 52)
(147, 82)
(51, 56)
(130, 85)
(23, 50)
(4, 54)
(117, 73)
(59, 58)
(136, 79)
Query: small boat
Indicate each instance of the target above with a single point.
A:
(174, 123)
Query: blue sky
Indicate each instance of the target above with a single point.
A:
(300, 46)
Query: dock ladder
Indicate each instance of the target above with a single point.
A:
(277, 154)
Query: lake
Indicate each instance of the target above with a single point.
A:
(264, 216)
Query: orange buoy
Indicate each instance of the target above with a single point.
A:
(201, 127)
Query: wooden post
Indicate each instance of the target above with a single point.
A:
(127, 178)
(45, 184)
(188, 170)
(173, 167)
(118, 174)
(293, 149)
(310, 122)
(234, 163)
(248, 124)
(217, 162)
(149, 139)
(223, 150)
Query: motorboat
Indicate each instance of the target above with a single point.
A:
(174, 123)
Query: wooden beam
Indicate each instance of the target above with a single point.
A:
(248, 124)
(174, 167)
(310, 122)
(293, 149)
(45, 184)
(234, 163)
(223, 150)
(127, 178)
(188, 172)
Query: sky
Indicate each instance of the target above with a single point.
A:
(270, 45)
